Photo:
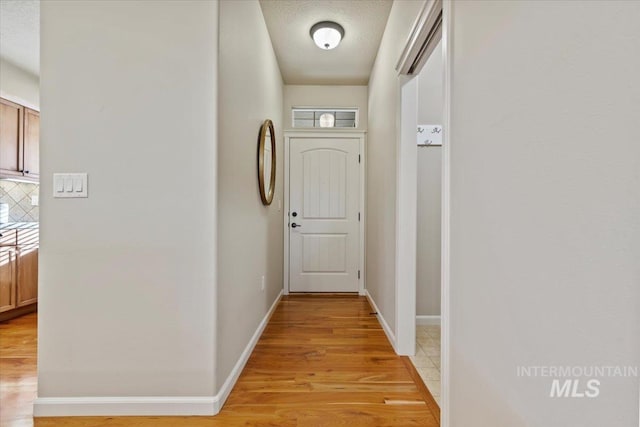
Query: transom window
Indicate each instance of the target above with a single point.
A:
(324, 117)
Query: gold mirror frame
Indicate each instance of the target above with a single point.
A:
(266, 196)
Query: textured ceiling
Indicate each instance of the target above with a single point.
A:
(288, 22)
(20, 33)
(302, 62)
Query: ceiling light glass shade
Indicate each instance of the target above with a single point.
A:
(327, 120)
(326, 34)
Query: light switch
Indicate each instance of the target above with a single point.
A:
(58, 181)
(77, 184)
(69, 185)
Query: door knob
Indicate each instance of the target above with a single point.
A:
(294, 225)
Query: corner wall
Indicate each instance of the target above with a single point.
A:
(545, 210)
(127, 280)
(250, 234)
(382, 140)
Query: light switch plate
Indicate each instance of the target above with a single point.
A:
(70, 185)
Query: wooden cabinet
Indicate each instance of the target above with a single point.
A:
(11, 128)
(27, 281)
(19, 141)
(18, 272)
(8, 278)
(27, 254)
(31, 155)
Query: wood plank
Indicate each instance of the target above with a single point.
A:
(426, 394)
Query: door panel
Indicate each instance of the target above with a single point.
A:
(324, 201)
(324, 253)
(324, 184)
(10, 138)
(7, 278)
(27, 277)
(31, 143)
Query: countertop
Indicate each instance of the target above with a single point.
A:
(19, 225)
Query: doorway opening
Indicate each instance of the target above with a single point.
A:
(429, 225)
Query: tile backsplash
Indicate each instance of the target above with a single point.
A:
(18, 195)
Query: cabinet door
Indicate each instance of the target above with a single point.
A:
(27, 276)
(11, 118)
(31, 143)
(8, 277)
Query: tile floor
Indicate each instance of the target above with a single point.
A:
(427, 358)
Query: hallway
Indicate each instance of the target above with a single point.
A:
(322, 361)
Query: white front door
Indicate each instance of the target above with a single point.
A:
(324, 198)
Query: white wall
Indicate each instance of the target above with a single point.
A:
(19, 85)
(250, 234)
(545, 209)
(127, 276)
(430, 107)
(382, 137)
(325, 96)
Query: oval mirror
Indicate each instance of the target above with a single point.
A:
(267, 162)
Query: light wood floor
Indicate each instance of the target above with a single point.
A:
(322, 361)
(18, 380)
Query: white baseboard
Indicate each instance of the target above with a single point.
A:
(226, 388)
(385, 326)
(427, 320)
(123, 406)
(152, 405)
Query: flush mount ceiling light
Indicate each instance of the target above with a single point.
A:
(327, 120)
(327, 34)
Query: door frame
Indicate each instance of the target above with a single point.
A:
(326, 134)
(406, 216)
(406, 207)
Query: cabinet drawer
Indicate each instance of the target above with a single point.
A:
(9, 238)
